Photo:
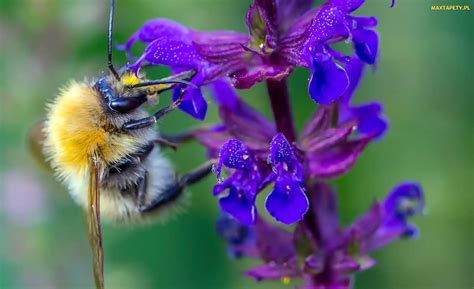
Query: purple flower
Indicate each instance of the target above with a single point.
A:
(388, 221)
(328, 80)
(287, 202)
(241, 143)
(370, 120)
(281, 35)
(242, 184)
(331, 150)
(210, 54)
(251, 152)
(328, 254)
(334, 23)
(240, 238)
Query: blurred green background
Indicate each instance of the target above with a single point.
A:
(424, 77)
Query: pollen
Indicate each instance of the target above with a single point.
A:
(285, 280)
(245, 157)
(130, 79)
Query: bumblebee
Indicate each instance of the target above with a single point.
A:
(102, 126)
(102, 144)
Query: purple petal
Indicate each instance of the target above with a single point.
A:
(236, 155)
(224, 95)
(127, 47)
(368, 116)
(347, 5)
(290, 49)
(314, 263)
(289, 11)
(241, 120)
(193, 102)
(240, 238)
(347, 264)
(367, 224)
(328, 80)
(248, 77)
(269, 19)
(171, 52)
(154, 29)
(337, 160)
(405, 200)
(328, 138)
(223, 185)
(361, 22)
(275, 245)
(157, 28)
(371, 123)
(287, 203)
(303, 23)
(238, 206)
(354, 70)
(324, 26)
(366, 45)
(319, 121)
(283, 159)
(271, 271)
(220, 46)
(281, 150)
(336, 282)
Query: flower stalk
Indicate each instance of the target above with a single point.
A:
(281, 108)
(257, 153)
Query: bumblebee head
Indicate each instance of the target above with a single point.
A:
(128, 92)
(124, 92)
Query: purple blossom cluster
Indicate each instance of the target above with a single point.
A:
(258, 156)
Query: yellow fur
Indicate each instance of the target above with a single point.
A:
(77, 129)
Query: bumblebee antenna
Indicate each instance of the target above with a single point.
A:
(163, 81)
(109, 54)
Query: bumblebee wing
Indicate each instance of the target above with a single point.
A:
(36, 139)
(93, 221)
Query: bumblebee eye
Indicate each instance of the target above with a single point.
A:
(104, 89)
(127, 104)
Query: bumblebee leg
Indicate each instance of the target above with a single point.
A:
(175, 140)
(166, 142)
(141, 189)
(151, 120)
(174, 191)
(180, 138)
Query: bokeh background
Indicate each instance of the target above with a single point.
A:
(424, 77)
